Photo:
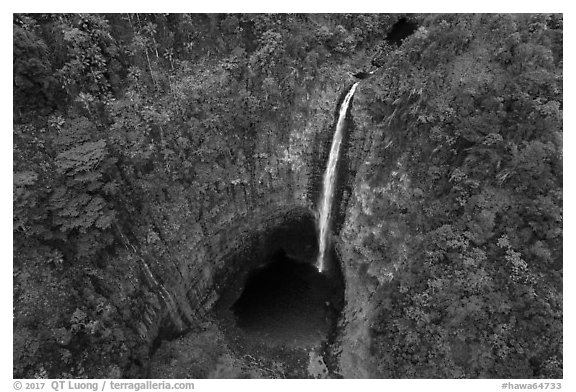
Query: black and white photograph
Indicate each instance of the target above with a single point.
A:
(287, 196)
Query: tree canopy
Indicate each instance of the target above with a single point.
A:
(126, 126)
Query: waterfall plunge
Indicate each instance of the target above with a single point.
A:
(329, 183)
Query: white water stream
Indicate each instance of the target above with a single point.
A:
(325, 207)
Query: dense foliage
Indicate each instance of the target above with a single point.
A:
(124, 122)
(474, 104)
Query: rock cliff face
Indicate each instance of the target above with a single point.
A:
(365, 270)
(246, 220)
(276, 211)
(274, 207)
(447, 237)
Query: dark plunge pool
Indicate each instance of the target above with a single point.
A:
(286, 302)
(278, 298)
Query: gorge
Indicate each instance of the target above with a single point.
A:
(287, 196)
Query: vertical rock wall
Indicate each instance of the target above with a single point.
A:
(200, 242)
(377, 155)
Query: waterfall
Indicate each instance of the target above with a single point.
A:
(329, 181)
